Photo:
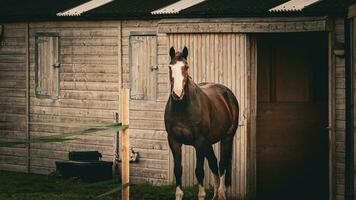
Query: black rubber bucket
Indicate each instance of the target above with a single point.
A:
(87, 171)
(84, 155)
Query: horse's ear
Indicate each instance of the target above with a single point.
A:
(185, 53)
(172, 52)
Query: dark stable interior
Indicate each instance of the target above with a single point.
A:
(292, 116)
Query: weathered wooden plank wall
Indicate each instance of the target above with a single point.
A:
(219, 58)
(89, 89)
(13, 96)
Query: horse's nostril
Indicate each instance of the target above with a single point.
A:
(178, 92)
(175, 96)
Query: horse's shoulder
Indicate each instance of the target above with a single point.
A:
(206, 86)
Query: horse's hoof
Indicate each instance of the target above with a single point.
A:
(222, 195)
(179, 194)
(201, 196)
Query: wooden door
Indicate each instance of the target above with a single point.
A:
(292, 136)
(218, 58)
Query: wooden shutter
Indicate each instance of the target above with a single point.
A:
(47, 65)
(143, 74)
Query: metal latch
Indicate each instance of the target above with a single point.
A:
(134, 156)
(56, 65)
(154, 67)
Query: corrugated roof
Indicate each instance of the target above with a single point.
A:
(232, 8)
(259, 8)
(24, 10)
(293, 5)
(176, 7)
(128, 9)
(78, 10)
(29, 10)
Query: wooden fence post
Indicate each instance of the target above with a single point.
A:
(125, 169)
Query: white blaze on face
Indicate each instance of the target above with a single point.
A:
(178, 78)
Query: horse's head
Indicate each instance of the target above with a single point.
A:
(178, 72)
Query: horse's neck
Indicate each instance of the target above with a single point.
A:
(192, 90)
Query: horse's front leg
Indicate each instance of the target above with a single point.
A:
(199, 172)
(225, 166)
(176, 149)
(213, 165)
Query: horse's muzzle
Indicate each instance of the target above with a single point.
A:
(176, 97)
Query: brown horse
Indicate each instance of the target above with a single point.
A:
(200, 115)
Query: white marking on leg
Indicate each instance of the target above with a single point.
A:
(201, 194)
(222, 188)
(179, 193)
(216, 186)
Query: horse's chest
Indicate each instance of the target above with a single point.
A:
(184, 133)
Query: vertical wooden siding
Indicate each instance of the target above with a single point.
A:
(219, 58)
(339, 112)
(13, 96)
(88, 93)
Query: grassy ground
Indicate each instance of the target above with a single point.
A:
(19, 186)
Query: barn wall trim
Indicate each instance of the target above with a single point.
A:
(331, 127)
(243, 25)
(28, 83)
(143, 33)
(349, 118)
(252, 96)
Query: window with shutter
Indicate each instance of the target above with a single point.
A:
(143, 67)
(47, 65)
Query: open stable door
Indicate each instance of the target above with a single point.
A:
(292, 116)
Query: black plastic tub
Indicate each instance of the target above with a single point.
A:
(87, 171)
(84, 155)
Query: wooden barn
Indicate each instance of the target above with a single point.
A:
(285, 60)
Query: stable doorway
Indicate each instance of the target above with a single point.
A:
(292, 116)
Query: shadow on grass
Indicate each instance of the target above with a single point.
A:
(21, 186)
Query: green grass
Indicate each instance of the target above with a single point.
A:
(20, 186)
